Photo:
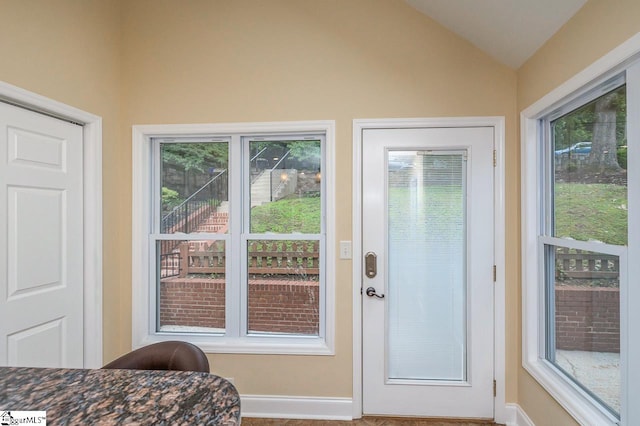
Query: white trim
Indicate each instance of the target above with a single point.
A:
(141, 208)
(141, 202)
(583, 245)
(498, 123)
(611, 60)
(356, 264)
(165, 130)
(295, 407)
(630, 348)
(92, 177)
(500, 301)
(515, 416)
(574, 400)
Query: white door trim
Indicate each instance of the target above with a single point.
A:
(499, 208)
(92, 193)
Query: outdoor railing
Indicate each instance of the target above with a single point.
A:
(188, 215)
(255, 172)
(571, 263)
(191, 213)
(296, 258)
(169, 265)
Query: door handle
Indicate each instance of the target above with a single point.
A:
(370, 264)
(371, 292)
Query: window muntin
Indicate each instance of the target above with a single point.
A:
(214, 301)
(585, 225)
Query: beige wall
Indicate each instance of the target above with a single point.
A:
(226, 61)
(598, 27)
(159, 61)
(69, 50)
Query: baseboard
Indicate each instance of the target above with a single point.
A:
(299, 407)
(516, 416)
(296, 407)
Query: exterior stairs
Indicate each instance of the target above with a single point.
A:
(261, 189)
(218, 220)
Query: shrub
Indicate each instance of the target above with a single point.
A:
(170, 198)
(622, 157)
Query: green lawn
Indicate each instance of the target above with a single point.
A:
(299, 215)
(592, 212)
(583, 211)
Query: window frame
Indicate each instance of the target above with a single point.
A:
(585, 409)
(143, 246)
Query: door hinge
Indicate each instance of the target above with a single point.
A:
(495, 273)
(495, 158)
(495, 388)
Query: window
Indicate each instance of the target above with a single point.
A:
(238, 229)
(584, 234)
(579, 192)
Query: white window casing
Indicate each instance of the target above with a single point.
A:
(143, 241)
(582, 406)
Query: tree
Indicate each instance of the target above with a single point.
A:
(603, 153)
(574, 127)
(194, 158)
(305, 150)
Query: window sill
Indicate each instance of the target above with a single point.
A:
(272, 345)
(585, 409)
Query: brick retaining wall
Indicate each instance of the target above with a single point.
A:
(274, 305)
(193, 302)
(284, 307)
(588, 319)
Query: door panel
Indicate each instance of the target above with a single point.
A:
(428, 216)
(25, 347)
(41, 235)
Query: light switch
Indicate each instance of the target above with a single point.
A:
(345, 249)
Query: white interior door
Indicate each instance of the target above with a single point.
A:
(41, 240)
(428, 232)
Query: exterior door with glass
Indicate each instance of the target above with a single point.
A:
(427, 283)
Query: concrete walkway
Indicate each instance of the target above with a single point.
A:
(597, 371)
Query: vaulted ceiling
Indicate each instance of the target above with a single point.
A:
(509, 30)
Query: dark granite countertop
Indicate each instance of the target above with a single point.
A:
(113, 397)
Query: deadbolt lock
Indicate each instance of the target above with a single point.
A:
(370, 264)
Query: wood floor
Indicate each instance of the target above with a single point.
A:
(366, 421)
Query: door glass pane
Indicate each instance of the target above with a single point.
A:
(194, 187)
(191, 286)
(583, 290)
(426, 265)
(284, 287)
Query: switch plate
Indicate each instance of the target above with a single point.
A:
(345, 249)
